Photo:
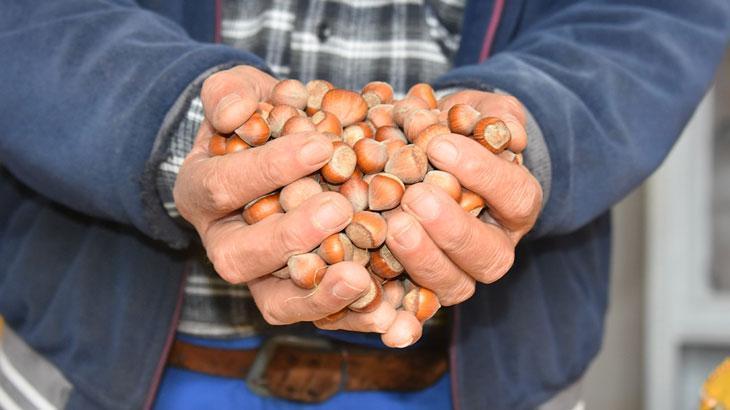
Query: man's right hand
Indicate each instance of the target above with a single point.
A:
(210, 191)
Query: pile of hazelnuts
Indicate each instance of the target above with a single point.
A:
(379, 149)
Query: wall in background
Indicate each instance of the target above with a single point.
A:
(614, 380)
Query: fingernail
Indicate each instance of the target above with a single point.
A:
(345, 291)
(406, 344)
(443, 151)
(405, 233)
(315, 152)
(331, 215)
(424, 205)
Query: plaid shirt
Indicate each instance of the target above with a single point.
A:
(348, 43)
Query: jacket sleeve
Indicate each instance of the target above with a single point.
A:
(85, 87)
(611, 85)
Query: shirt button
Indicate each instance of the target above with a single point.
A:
(323, 32)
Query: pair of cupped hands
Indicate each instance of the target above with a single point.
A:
(440, 246)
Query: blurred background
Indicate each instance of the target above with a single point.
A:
(669, 320)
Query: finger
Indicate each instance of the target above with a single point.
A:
(241, 252)
(514, 196)
(377, 321)
(230, 97)
(506, 107)
(484, 251)
(282, 302)
(225, 183)
(405, 331)
(425, 263)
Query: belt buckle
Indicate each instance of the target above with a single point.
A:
(255, 379)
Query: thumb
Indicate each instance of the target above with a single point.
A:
(230, 97)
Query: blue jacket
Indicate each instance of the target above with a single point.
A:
(90, 270)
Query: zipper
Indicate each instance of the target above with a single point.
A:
(491, 30)
(453, 351)
(218, 16)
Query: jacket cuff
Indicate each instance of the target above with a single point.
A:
(172, 144)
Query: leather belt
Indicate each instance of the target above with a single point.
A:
(314, 369)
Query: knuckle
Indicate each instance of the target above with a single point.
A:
(463, 291)
(527, 200)
(461, 237)
(222, 260)
(319, 306)
(213, 84)
(214, 188)
(503, 260)
(433, 270)
(367, 323)
(292, 241)
(513, 105)
(477, 172)
(273, 170)
(270, 313)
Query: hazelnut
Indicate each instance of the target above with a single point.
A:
(348, 106)
(217, 145)
(261, 208)
(384, 264)
(425, 136)
(443, 116)
(356, 191)
(278, 116)
(326, 122)
(387, 214)
(255, 131)
(421, 302)
(510, 156)
(356, 132)
(235, 144)
(306, 270)
(381, 115)
(402, 107)
(471, 202)
(492, 133)
(390, 133)
(462, 118)
(297, 124)
(367, 230)
(519, 159)
(393, 291)
(369, 301)
(385, 192)
(417, 121)
(290, 92)
(335, 249)
(371, 155)
(445, 181)
(408, 163)
(342, 164)
(360, 256)
(486, 217)
(332, 137)
(393, 145)
(335, 316)
(377, 92)
(282, 273)
(424, 92)
(264, 109)
(316, 90)
(297, 192)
